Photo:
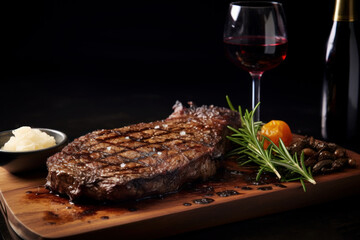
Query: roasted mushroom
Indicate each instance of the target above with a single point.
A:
(321, 156)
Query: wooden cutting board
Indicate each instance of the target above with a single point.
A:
(34, 213)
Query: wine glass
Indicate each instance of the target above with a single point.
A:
(255, 39)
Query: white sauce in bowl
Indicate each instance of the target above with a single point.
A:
(28, 139)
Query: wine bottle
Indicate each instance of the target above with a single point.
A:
(340, 121)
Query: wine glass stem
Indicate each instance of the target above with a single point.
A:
(256, 94)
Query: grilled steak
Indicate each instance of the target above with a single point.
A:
(143, 159)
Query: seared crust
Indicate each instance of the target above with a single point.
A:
(143, 159)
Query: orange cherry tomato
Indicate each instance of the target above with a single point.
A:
(274, 130)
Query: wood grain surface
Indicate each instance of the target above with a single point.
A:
(34, 213)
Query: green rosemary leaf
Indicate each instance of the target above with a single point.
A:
(261, 170)
(291, 179)
(303, 184)
(229, 103)
(302, 161)
(310, 172)
(246, 162)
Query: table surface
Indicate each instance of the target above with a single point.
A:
(331, 220)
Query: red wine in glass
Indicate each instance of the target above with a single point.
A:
(256, 40)
(256, 53)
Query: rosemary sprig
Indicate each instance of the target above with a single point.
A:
(273, 159)
(246, 137)
(284, 159)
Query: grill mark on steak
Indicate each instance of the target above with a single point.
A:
(142, 144)
(143, 159)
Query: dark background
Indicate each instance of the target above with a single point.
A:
(77, 66)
